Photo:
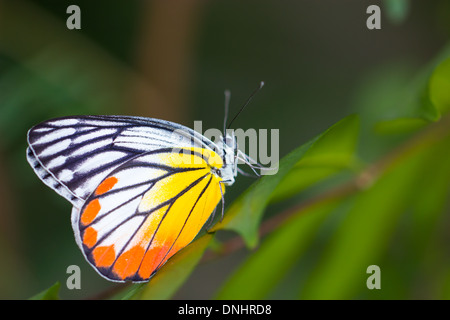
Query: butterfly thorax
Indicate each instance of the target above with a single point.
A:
(227, 149)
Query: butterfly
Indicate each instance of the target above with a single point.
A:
(141, 188)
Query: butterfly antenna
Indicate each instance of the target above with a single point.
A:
(261, 84)
(245, 174)
(227, 105)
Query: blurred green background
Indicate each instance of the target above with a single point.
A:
(173, 60)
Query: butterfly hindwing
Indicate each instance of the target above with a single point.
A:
(146, 210)
(73, 155)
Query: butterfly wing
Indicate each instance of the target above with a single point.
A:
(146, 210)
(72, 155)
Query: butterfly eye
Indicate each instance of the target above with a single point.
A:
(217, 172)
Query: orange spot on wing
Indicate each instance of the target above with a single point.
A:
(90, 237)
(90, 212)
(128, 263)
(104, 256)
(106, 185)
(154, 259)
(149, 264)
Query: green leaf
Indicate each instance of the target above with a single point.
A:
(396, 91)
(400, 125)
(366, 230)
(427, 231)
(262, 271)
(245, 214)
(429, 203)
(333, 152)
(413, 266)
(174, 272)
(439, 87)
(51, 293)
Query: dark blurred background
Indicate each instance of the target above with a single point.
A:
(173, 60)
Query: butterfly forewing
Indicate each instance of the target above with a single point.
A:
(73, 155)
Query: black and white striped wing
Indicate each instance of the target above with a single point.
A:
(72, 155)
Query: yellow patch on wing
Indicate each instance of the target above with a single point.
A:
(169, 188)
(192, 158)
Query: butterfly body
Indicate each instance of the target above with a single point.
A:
(141, 188)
